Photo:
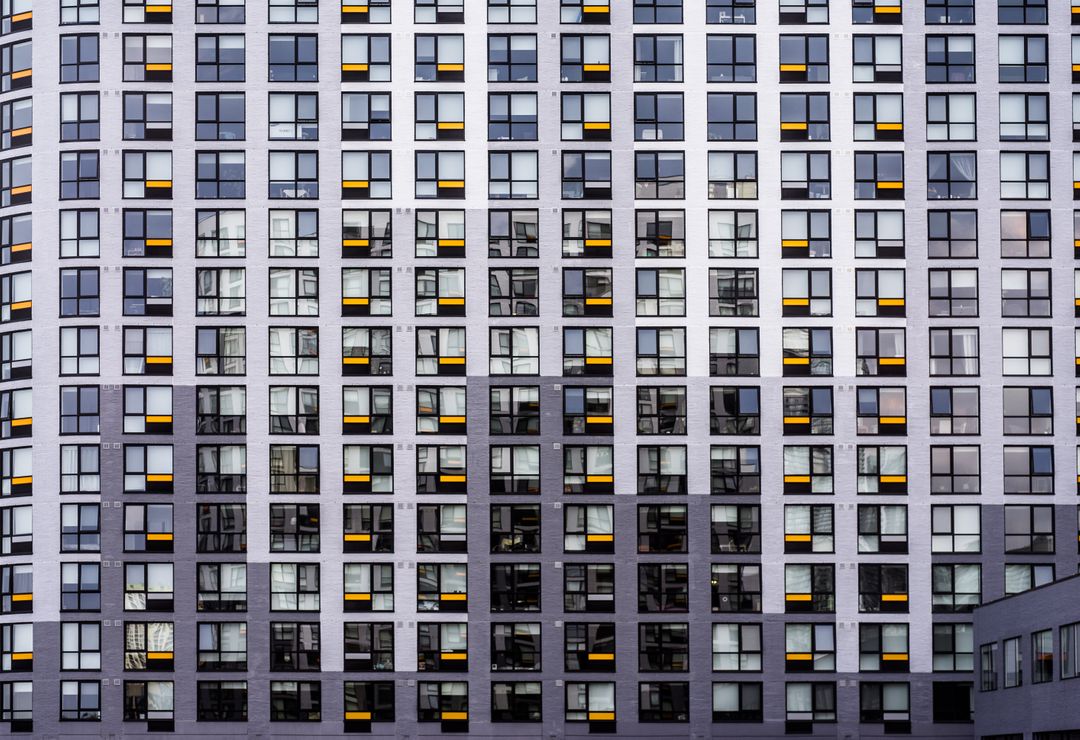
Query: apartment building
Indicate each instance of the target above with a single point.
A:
(662, 368)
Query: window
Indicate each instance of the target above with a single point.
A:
(879, 352)
(1025, 351)
(807, 647)
(1025, 234)
(659, 175)
(887, 703)
(294, 527)
(439, 11)
(954, 469)
(585, 58)
(808, 528)
(80, 700)
(222, 587)
(441, 646)
(955, 529)
(1024, 117)
(511, 58)
(365, 116)
(511, 117)
(439, 58)
(804, 58)
(657, 116)
(221, 701)
(220, 233)
(733, 352)
(1022, 11)
(1042, 656)
(220, 175)
(365, 175)
(148, 701)
(731, 58)
(511, 11)
(80, 176)
(514, 291)
(294, 587)
(149, 117)
(950, 58)
(876, 58)
(798, 12)
(80, 119)
(220, 410)
(294, 58)
(148, 587)
(733, 234)
(440, 351)
(515, 175)
(883, 588)
(803, 116)
(956, 587)
(954, 351)
(294, 646)
(736, 701)
(364, 58)
(884, 647)
(950, 117)
(1025, 576)
(658, 58)
(294, 11)
(879, 175)
(79, 468)
(516, 586)
(585, 175)
(441, 587)
(80, 526)
(730, 11)
(295, 701)
(221, 528)
(79, 61)
(733, 175)
(883, 528)
(80, 411)
(810, 702)
(76, 12)
(1022, 59)
(952, 175)
(882, 469)
(805, 176)
(1012, 663)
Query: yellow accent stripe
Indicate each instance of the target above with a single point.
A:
(356, 419)
(159, 420)
(792, 67)
(356, 360)
(794, 243)
(355, 242)
(793, 126)
(22, 480)
(891, 361)
(596, 67)
(357, 597)
(796, 301)
(357, 715)
(602, 715)
(451, 478)
(597, 126)
(796, 419)
(159, 478)
(450, 67)
(597, 360)
(892, 479)
(451, 419)
(599, 478)
(158, 67)
(22, 597)
(159, 656)
(599, 538)
(894, 597)
(451, 360)
(354, 183)
(800, 656)
(358, 538)
(24, 422)
(155, 360)
(797, 538)
(357, 478)
(597, 242)
(892, 420)
(354, 68)
(890, 127)
(796, 479)
(796, 360)
(22, 656)
(159, 537)
(452, 597)
(450, 125)
(798, 597)
(454, 715)
(601, 656)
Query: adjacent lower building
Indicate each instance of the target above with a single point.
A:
(1028, 658)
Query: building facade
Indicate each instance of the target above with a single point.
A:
(425, 412)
